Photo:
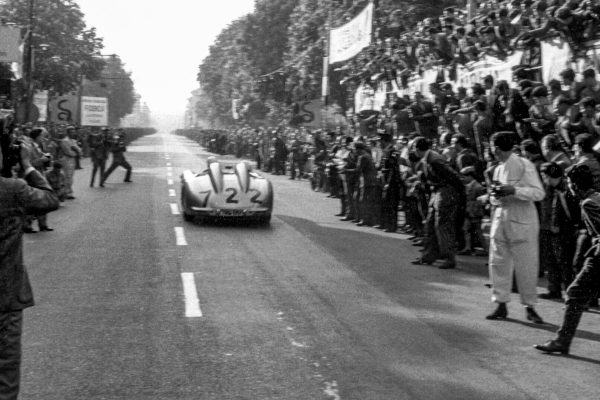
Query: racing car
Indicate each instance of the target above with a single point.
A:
(227, 191)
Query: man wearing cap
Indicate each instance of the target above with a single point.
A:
(390, 169)
(515, 228)
(591, 86)
(369, 203)
(556, 231)
(97, 142)
(541, 114)
(426, 121)
(446, 207)
(588, 120)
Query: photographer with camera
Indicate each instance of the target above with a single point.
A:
(18, 198)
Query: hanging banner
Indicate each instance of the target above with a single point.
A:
(10, 40)
(364, 98)
(63, 109)
(474, 72)
(348, 40)
(40, 101)
(94, 111)
(556, 56)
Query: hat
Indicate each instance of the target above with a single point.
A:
(563, 13)
(468, 170)
(588, 101)
(552, 169)
(539, 91)
(358, 145)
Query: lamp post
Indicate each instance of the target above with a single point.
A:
(29, 64)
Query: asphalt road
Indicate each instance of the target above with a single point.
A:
(308, 308)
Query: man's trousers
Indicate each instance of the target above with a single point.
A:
(11, 324)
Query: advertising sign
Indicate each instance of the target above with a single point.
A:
(348, 40)
(94, 111)
(63, 109)
(40, 101)
(10, 40)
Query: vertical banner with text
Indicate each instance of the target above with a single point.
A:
(94, 111)
(40, 101)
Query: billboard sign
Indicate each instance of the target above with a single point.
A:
(94, 111)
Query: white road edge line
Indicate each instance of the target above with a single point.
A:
(180, 236)
(174, 208)
(172, 193)
(192, 303)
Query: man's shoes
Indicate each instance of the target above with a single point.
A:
(421, 261)
(418, 243)
(447, 265)
(500, 313)
(70, 197)
(101, 185)
(291, 179)
(128, 180)
(346, 219)
(553, 346)
(465, 252)
(340, 214)
(378, 227)
(29, 230)
(551, 296)
(46, 229)
(360, 223)
(533, 316)
(593, 303)
(390, 230)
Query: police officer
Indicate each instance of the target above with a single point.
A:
(98, 143)
(118, 149)
(389, 167)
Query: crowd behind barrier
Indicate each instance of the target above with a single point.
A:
(450, 157)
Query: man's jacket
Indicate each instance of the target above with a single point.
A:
(17, 199)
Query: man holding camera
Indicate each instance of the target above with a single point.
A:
(18, 198)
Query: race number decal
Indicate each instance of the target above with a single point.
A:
(254, 199)
(231, 199)
(207, 193)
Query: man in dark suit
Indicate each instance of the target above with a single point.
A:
(423, 114)
(18, 198)
(446, 207)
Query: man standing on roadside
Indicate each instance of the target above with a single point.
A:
(17, 199)
(587, 283)
(514, 245)
(68, 150)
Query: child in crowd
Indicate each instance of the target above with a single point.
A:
(474, 212)
(56, 179)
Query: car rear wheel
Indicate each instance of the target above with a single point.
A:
(186, 216)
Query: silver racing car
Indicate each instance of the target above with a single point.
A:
(226, 190)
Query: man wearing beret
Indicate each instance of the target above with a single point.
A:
(391, 184)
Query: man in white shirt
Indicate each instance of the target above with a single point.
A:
(515, 228)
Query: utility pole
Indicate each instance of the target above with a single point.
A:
(29, 64)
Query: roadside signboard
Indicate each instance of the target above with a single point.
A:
(94, 111)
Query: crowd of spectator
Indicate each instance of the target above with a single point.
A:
(56, 152)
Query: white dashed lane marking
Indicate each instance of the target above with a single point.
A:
(180, 236)
(174, 209)
(172, 193)
(169, 181)
(169, 174)
(168, 164)
(192, 303)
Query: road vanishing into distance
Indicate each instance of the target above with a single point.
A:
(134, 303)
